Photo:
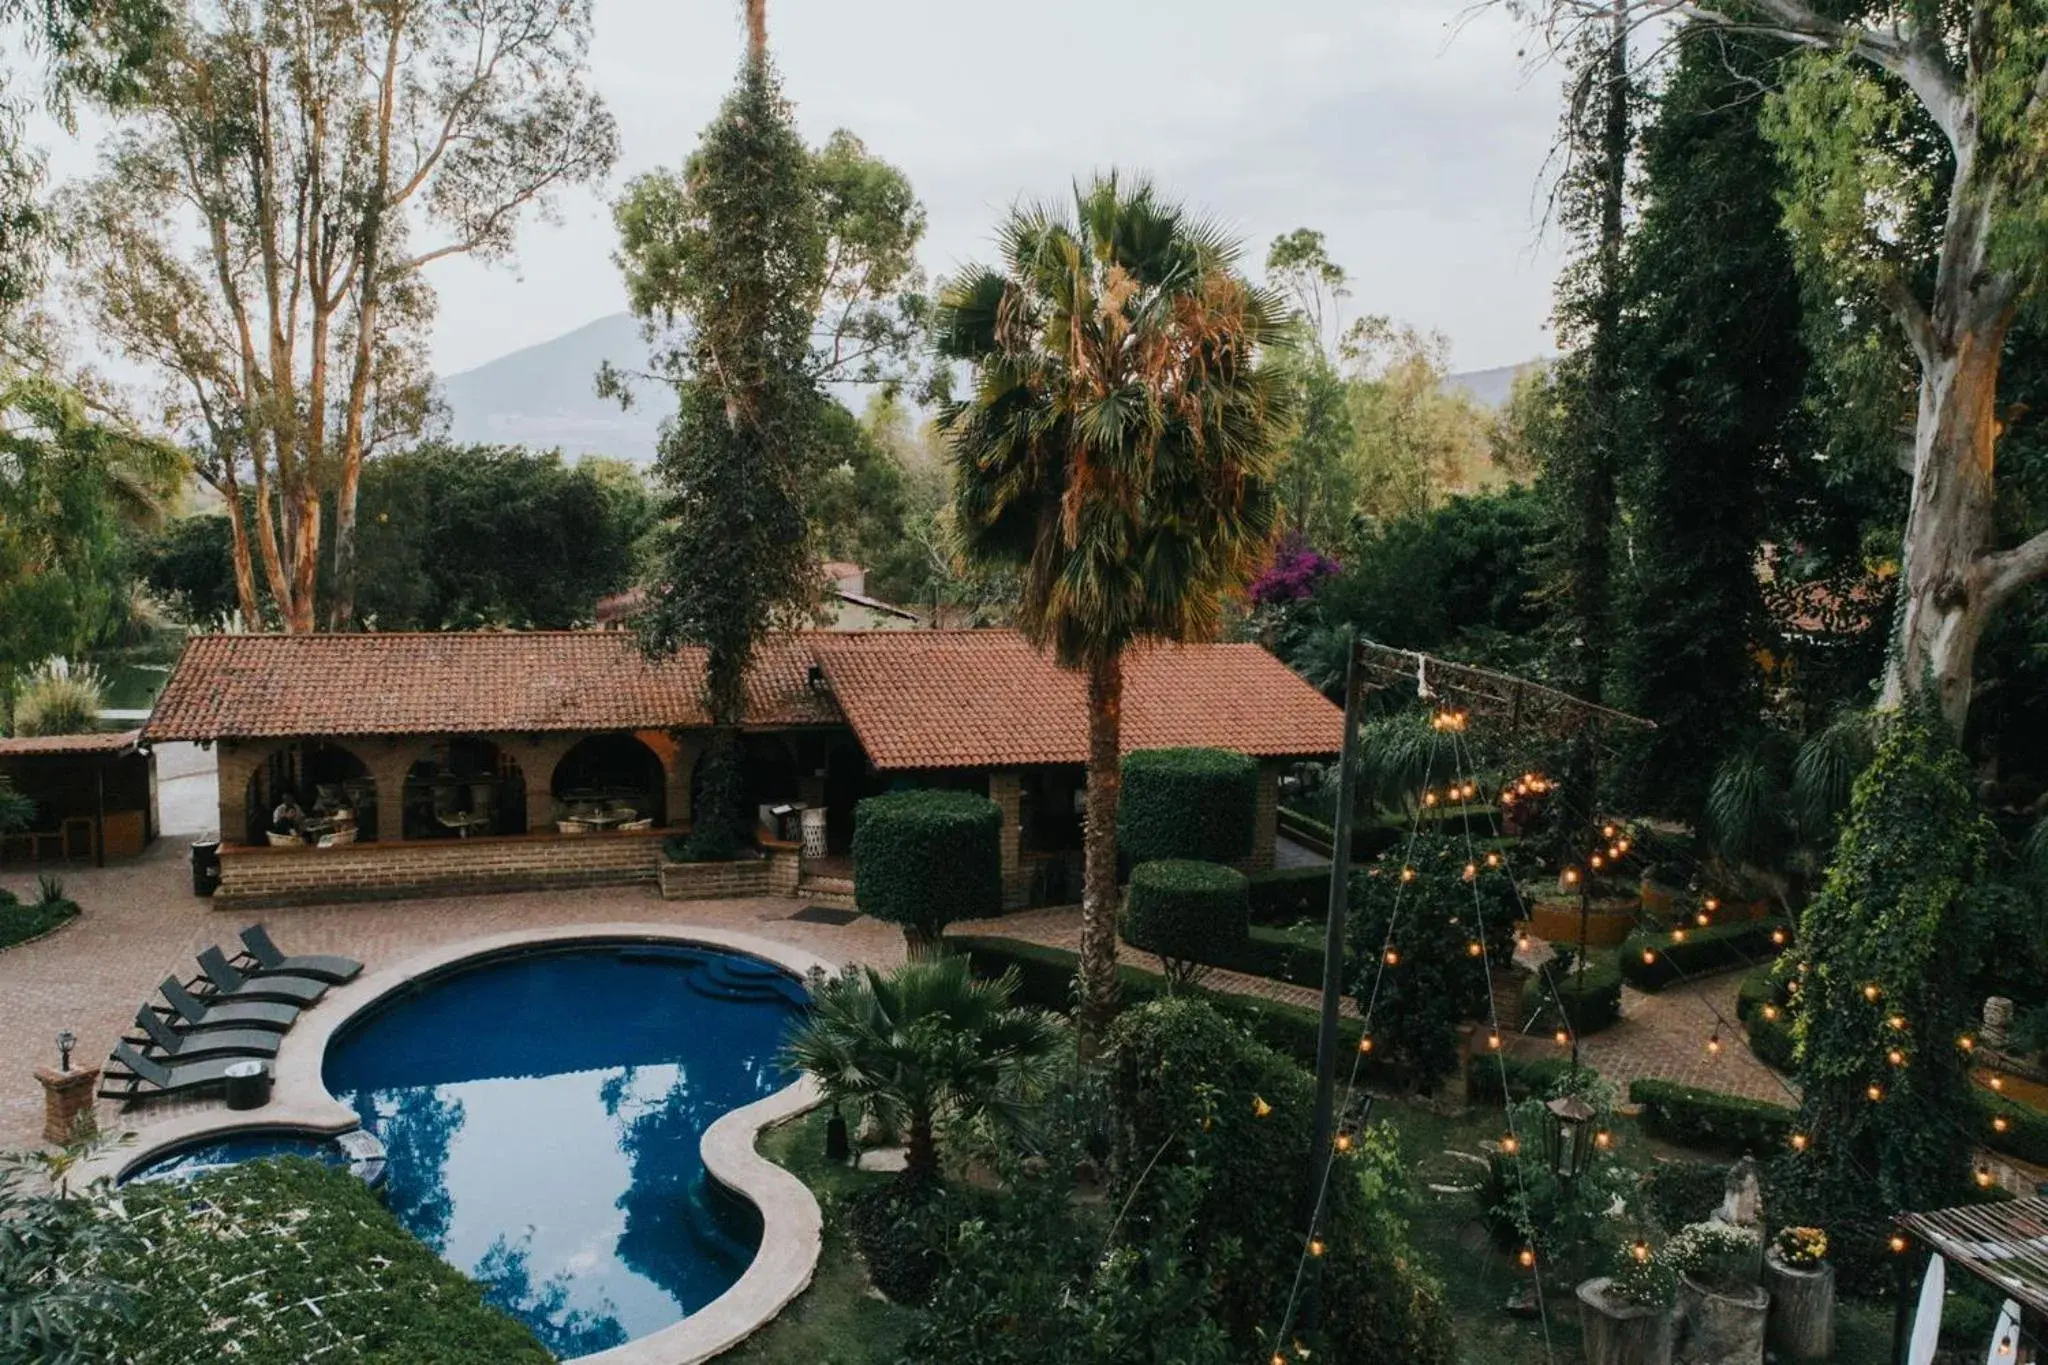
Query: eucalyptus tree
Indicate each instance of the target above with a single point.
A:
(265, 215)
(1951, 246)
(1117, 447)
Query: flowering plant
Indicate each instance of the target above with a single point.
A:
(1801, 1246)
(1293, 574)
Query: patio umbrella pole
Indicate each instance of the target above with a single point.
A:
(1333, 935)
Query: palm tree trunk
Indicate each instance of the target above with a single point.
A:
(1098, 881)
(920, 1147)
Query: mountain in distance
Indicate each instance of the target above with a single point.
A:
(545, 396)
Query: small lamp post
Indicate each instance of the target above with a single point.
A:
(1568, 1138)
(66, 1040)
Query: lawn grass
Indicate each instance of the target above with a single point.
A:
(839, 1320)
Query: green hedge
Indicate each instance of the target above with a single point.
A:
(1187, 912)
(1591, 1000)
(1286, 895)
(1197, 804)
(923, 859)
(2026, 1129)
(281, 1262)
(1769, 1038)
(20, 923)
(1046, 979)
(1527, 1077)
(1704, 950)
(1711, 1121)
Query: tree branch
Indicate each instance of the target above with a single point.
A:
(1911, 314)
(2005, 572)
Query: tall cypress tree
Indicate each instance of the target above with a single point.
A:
(1713, 364)
(735, 556)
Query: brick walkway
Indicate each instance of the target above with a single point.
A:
(141, 923)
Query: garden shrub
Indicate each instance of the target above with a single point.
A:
(1422, 908)
(1713, 949)
(280, 1262)
(20, 922)
(1889, 937)
(1589, 1001)
(922, 859)
(901, 1230)
(1288, 895)
(1711, 1121)
(1198, 804)
(1681, 1192)
(1189, 1084)
(1046, 979)
(1526, 1203)
(1190, 914)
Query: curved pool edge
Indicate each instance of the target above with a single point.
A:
(792, 1231)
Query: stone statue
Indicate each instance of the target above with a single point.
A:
(1742, 1201)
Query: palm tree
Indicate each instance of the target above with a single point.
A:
(1118, 449)
(924, 1043)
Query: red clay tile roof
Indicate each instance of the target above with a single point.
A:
(38, 745)
(915, 698)
(986, 698)
(249, 686)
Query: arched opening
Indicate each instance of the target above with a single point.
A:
(465, 786)
(311, 792)
(609, 782)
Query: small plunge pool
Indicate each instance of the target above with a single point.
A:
(541, 1117)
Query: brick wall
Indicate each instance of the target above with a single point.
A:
(714, 881)
(252, 877)
(785, 868)
(1006, 789)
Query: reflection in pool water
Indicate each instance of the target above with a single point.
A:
(542, 1118)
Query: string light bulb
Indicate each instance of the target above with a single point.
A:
(1998, 1083)
(1524, 942)
(1641, 1251)
(1564, 1038)
(1649, 956)
(1528, 1258)
(1871, 992)
(1799, 1141)
(1622, 845)
(1895, 1057)
(1596, 862)
(1966, 1042)
(1475, 948)
(1711, 904)
(1471, 871)
(1778, 937)
(1897, 1244)
(1493, 860)
(1365, 1044)
(1897, 1023)
(1603, 1139)
(1714, 1043)
(1510, 1145)
(1493, 1042)
(1678, 935)
(1874, 1092)
(1429, 798)
(1771, 1012)
(1343, 1142)
(1985, 1180)
(1703, 919)
(1315, 1246)
(1393, 957)
(1571, 876)
(1607, 831)
(1999, 1123)
(1407, 874)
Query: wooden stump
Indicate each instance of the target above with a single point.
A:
(1802, 1308)
(1721, 1327)
(1620, 1333)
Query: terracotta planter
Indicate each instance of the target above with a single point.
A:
(1721, 1327)
(1608, 922)
(1620, 1333)
(1802, 1319)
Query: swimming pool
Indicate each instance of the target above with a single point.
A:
(229, 1149)
(542, 1115)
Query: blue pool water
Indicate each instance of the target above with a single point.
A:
(184, 1163)
(542, 1117)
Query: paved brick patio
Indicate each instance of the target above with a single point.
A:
(141, 923)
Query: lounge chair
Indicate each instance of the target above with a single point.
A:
(232, 985)
(183, 1047)
(267, 960)
(148, 1077)
(196, 1015)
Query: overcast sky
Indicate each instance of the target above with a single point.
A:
(1414, 144)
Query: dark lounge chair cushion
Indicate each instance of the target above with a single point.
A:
(269, 960)
(231, 984)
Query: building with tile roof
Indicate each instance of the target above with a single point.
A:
(417, 739)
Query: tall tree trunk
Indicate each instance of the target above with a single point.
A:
(920, 1147)
(245, 572)
(1098, 879)
(1944, 602)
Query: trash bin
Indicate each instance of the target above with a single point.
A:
(206, 865)
(248, 1085)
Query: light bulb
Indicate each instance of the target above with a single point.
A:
(1871, 992)
(1641, 1251)
(1649, 956)
(1493, 860)
(1603, 1139)
(1898, 1243)
(1895, 1057)
(1597, 862)
(1564, 1038)
(1343, 1142)
(1897, 1021)
(1714, 1043)
(1711, 904)
(1393, 957)
(1985, 1180)
(1510, 1144)
(1365, 1043)
(1778, 937)
(1999, 1123)
(1874, 1093)
(1799, 1142)
(1607, 831)
(1315, 1246)
(1527, 1258)
(1493, 1042)
(1770, 1011)
(1474, 948)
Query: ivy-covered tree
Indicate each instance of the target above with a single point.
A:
(1713, 360)
(1881, 980)
(744, 265)
(1117, 447)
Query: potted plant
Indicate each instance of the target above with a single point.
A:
(1625, 1317)
(1722, 1310)
(1801, 1282)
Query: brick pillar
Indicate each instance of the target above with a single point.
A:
(66, 1095)
(689, 748)
(235, 764)
(389, 760)
(1006, 789)
(537, 759)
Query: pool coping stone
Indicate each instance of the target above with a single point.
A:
(792, 1226)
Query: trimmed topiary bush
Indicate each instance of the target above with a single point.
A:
(923, 859)
(1288, 895)
(1199, 804)
(1590, 1001)
(1190, 914)
(1653, 959)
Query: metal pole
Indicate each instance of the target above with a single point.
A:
(1333, 933)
